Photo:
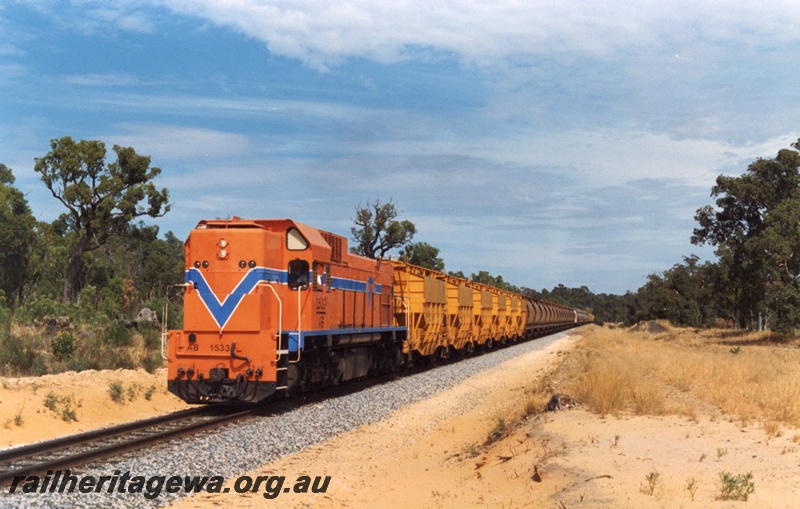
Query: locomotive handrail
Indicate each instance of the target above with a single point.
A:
(299, 328)
(164, 313)
(280, 317)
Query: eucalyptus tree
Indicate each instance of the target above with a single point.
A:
(756, 229)
(377, 231)
(101, 200)
(424, 255)
(17, 235)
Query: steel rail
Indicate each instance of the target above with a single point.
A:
(102, 452)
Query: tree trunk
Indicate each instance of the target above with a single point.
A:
(72, 282)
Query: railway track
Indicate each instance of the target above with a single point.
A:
(96, 445)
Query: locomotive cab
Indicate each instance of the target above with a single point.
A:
(244, 286)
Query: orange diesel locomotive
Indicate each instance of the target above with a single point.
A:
(274, 306)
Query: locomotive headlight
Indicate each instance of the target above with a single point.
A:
(223, 254)
(222, 243)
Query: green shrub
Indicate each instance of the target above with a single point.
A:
(69, 414)
(36, 308)
(81, 363)
(499, 430)
(151, 337)
(18, 419)
(118, 334)
(152, 362)
(62, 405)
(50, 401)
(118, 359)
(735, 487)
(63, 345)
(652, 479)
(116, 392)
(5, 322)
(17, 356)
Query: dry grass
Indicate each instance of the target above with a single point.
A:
(38, 350)
(747, 376)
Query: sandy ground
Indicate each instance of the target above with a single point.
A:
(24, 418)
(435, 453)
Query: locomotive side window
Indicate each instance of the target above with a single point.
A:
(298, 275)
(295, 240)
(316, 281)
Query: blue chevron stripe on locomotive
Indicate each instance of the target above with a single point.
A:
(221, 312)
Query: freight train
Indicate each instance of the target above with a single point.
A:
(273, 307)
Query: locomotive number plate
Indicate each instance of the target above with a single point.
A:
(220, 347)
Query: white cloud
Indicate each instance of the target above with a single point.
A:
(213, 106)
(8, 49)
(109, 79)
(616, 156)
(96, 16)
(120, 14)
(9, 73)
(166, 142)
(323, 33)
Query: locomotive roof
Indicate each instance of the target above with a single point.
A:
(315, 237)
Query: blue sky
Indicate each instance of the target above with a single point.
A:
(546, 141)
